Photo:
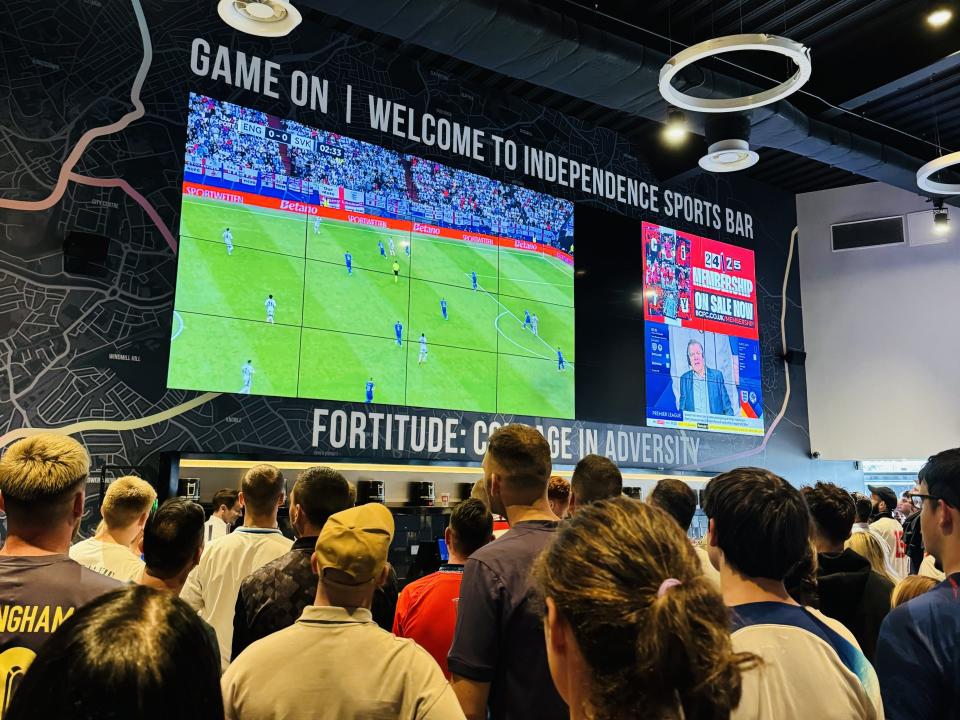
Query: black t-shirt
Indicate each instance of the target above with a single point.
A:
(37, 594)
(499, 633)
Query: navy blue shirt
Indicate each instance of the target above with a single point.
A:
(918, 656)
(499, 633)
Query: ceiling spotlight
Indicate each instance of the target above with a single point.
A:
(800, 54)
(266, 18)
(939, 16)
(676, 129)
(941, 220)
(729, 156)
(728, 143)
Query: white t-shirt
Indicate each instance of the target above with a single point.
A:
(212, 586)
(812, 667)
(892, 533)
(928, 568)
(214, 529)
(107, 558)
(709, 571)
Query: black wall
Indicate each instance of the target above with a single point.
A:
(92, 349)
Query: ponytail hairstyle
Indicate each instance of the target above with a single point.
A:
(654, 649)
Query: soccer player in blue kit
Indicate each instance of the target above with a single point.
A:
(348, 258)
(561, 363)
(398, 329)
(443, 307)
(527, 322)
(383, 253)
(369, 390)
(473, 279)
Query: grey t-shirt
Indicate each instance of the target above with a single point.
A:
(37, 594)
(499, 633)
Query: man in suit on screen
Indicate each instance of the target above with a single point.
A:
(702, 389)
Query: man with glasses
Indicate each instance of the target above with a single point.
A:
(918, 654)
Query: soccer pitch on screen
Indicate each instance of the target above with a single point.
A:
(333, 328)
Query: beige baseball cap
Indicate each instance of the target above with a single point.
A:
(355, 543)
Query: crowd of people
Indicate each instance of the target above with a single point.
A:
(214, 136)
(592, 605)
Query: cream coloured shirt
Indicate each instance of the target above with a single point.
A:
(348, 668)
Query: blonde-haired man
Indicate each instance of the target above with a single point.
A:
(125, 509)
(42, 484)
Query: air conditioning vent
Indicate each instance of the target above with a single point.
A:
(863, 234)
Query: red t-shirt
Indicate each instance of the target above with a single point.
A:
(427, 612)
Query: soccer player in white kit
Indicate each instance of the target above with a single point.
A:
(535, 324)
(393, 249)
(247, 371)
(316, 226)
(423, 350)
(228, 241)
(271, 306)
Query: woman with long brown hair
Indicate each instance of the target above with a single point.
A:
(633, 629)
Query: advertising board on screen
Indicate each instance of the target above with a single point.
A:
(702, 350)
(315, 265)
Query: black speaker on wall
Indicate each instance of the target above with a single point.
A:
(795, 357)
(85, 253)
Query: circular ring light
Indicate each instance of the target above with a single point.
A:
(729, 156)
(932, 168)
(266, 18)
(800, 55)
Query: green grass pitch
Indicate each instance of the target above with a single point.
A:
(213, 283)
(480, 358)
(207, 353)
(335, 366)
(251, 227)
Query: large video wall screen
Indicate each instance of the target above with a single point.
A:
(314, 265)
(702, 353)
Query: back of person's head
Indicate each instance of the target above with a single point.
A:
(520, 459)
(758, 521)
(471, 526)
(350, 556)
(132, 653)
(225, 497)
(558, 493)
(318, 493)
(263, 488)
(941, 473)
(595, 478)
(864, 507)
(833, 511)
(126, 500)
(173, 537)
(39, 477)
(939, 479)
(912, 586)
(675, 498)
(869, 546)
(801, 583)
(479, 492)
(624, 581)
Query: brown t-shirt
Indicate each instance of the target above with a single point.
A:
(37, 594)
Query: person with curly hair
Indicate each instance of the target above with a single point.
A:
(633, 628)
